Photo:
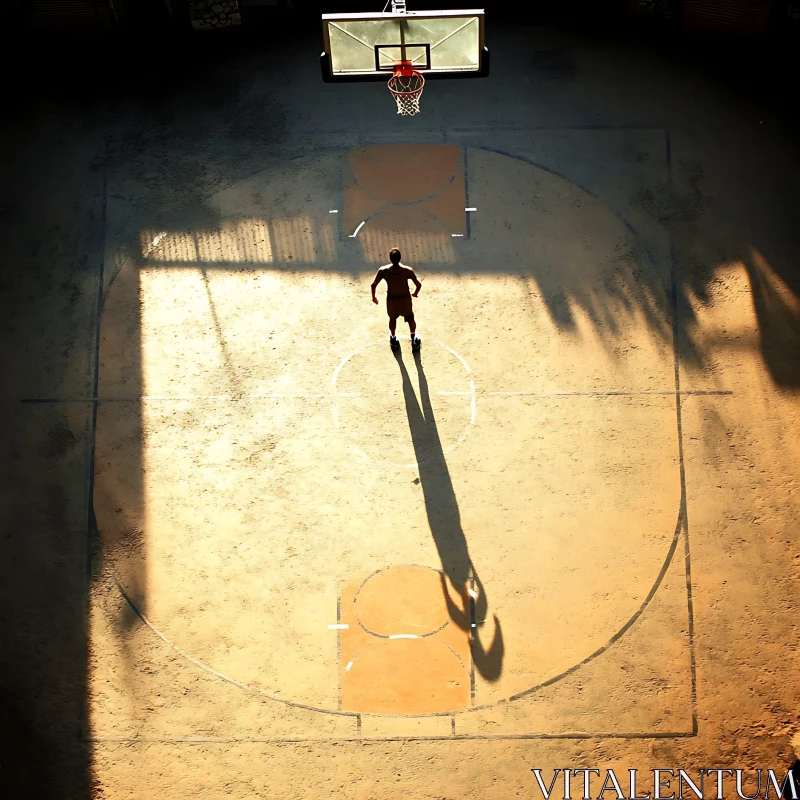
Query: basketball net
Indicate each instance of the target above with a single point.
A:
(406, 86)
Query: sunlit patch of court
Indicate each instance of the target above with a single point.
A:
(485, 538)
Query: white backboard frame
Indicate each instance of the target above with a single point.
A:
(420, 50)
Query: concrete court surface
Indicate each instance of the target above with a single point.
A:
(254, 554)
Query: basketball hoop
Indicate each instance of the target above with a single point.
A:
(406, 86)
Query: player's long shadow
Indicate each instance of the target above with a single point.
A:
(444, 519)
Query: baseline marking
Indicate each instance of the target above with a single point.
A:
(177, 398)
(598, 393)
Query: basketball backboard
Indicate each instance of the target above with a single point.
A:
(437, 43)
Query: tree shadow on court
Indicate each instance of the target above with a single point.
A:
(444, 519)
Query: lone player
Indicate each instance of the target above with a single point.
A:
(398, 297)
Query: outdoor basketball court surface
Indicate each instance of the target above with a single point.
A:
(308, 537)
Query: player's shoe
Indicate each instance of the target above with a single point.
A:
(416, 343)
(394, 343)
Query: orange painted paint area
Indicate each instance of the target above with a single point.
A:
(358, 206)
(385, 180)
(402, 653)
(404, 173)
(406, 676)
(448, 206)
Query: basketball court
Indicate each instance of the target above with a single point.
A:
(254, 552)
(330, 541)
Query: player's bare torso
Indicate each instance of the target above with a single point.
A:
(397, 278)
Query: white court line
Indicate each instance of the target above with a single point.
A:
(471, 394)
(155, 243)
(269, 396)
(588, 393)
(404, 636)
(363, 223)
(413, 464)
(338, 627)
(201, 664)
(458, 356)
(599, 392)
(355, 352)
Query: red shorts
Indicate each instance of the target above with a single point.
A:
(400, 307)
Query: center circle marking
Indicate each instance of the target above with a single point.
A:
(470, 395)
